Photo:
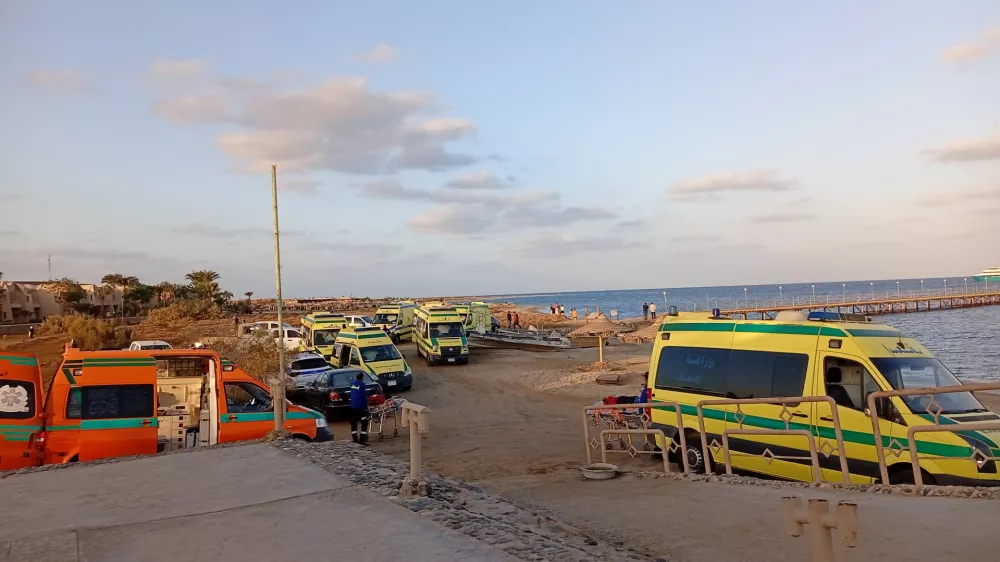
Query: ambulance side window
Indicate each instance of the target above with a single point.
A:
(116, 401)
(74, 404)
(355, 356)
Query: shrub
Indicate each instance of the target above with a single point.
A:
(256, 356)
(183, 312)
(90, 334)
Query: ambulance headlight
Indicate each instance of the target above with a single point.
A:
(321, 422)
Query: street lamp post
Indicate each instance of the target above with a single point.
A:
(921, 286)
(966, 285)
(897, 289)
(781, 297)
(746, 298)
(873, 289)
(279, 387)
(844, 285)
(946, 287)
(814, 294)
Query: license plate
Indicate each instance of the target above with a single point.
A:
(451, 359)
(391, 383)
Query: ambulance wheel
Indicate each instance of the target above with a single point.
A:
(430, 362)
(697, 463)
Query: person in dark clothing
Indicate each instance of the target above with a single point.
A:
(645, 311)
(517, 321)
(359, 410)
(510, 323)
(31, 332)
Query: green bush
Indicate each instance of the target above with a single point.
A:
(183, 312)
(90, 334)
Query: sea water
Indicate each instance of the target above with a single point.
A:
(966, 340)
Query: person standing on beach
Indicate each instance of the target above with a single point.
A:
(509, 324)
(562, 310)
(359, 410)
(652, 310)
(517, 321)
(574, 313)
(645, 311)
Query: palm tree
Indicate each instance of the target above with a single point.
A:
(102, 291)
(204, 284)
(248, 293)
(164, 292)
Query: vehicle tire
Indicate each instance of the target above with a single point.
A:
(906, 477)
(430, 362)
(697, 463)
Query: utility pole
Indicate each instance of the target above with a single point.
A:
(50, 267)
(279, 387)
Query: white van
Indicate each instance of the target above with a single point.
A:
(149, 344)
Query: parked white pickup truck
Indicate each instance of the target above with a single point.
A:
(292, 339)
(149, 344)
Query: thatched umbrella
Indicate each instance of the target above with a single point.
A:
(600, 327)
(642, 335)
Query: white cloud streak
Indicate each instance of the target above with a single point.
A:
(64, 81)
(479, 180)
(338, 125)
(723, 182)
(784, 216)
(984, 46)
(380, 53)
(971, 150)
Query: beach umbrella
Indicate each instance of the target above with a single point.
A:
(599, 327)
(642, 335)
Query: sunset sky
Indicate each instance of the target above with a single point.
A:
(450, 147)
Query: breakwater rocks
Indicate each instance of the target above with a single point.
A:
(465, 508)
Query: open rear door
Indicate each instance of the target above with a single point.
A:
(20, 410)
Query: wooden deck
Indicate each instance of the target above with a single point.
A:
(874, 307)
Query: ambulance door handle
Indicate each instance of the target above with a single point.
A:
(825, 418)
(231, 417)
(800, 415)
(145, 423)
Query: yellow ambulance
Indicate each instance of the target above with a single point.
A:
(319, 332)
(700, 357)
(371, 349)
(396, 320)
(439, 333)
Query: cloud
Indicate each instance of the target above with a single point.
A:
(784, 216)
(379, 53)
(974, 50)
(452, 219)
(714, 184)
(986, 148)
(959, 197)
(10, 233)
(168, 70)
(568, 244)
(339, 125)
(635, 223)
(64, 81)
(479, 180)
(696, 238)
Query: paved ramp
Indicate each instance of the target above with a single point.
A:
(238, 503)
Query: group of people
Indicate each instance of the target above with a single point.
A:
(649, 311)
(513, 320)
(557, 309)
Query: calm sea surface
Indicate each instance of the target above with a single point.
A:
(966, 340)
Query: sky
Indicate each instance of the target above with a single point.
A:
(451, 147)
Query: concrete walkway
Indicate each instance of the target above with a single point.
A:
(231, 504)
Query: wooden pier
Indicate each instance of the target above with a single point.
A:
(874, 307)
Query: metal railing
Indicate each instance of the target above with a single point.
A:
(621, 425)
(786, 416)
(934, 409)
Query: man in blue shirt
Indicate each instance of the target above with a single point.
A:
(359, 410)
